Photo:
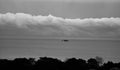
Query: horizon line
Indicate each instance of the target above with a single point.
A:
(54, 38)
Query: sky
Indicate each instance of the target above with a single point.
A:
(63, 8)
(36, 28)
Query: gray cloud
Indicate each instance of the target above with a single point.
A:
(58, 26)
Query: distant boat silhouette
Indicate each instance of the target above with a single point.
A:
(65, 40)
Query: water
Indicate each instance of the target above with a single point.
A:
(108, 49)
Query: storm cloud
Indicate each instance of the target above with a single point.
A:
(57, 26)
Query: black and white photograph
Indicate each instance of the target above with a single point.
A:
(59, 34)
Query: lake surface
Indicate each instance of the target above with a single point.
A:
(12, 48)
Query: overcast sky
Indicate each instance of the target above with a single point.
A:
(63, 8)
(60, 18)
(88, 20)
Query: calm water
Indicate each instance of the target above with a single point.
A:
(108, 49)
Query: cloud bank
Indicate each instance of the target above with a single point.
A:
(58, 26)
